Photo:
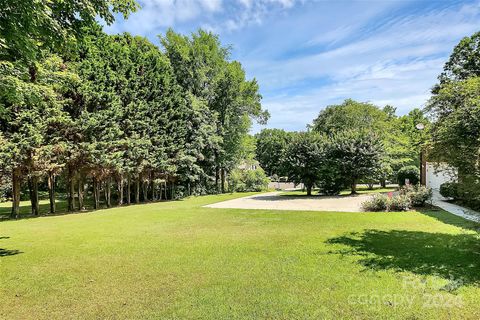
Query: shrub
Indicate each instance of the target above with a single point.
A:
(378, 202)
(399, 203)
(449, 190)
(411, 173)
(381, 202)
(418, 194)
(247, 180)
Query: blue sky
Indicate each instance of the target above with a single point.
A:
(310, 54)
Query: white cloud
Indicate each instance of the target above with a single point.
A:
(395, 64)
(155, 14)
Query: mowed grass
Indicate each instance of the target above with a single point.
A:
(178, 260)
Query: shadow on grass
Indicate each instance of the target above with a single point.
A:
(449, 218)
(6, 252)
(450, 256)
(344, 193)
(61, 209)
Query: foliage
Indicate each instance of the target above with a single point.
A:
(356, 153)
(270, 146)
(418, 194)
(377, 202)
(464, 62)
(350, 115)
(381, 202)
(411, 173)
(27, 27)
(241, 180)
(303, 157)
(455, 107)
(402, 141)
(116, 120)
(449, 190)
(202, 67)
(399, 203)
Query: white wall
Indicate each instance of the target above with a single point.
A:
(438, 173)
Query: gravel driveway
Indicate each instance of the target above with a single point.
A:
(275, 201)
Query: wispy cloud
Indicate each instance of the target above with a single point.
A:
(309, 54)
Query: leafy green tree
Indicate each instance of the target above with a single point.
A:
(454, 107)
(27, 27)
(464, 62)
(303, 159)
(270, 146)
(350, 115)
(455, 132)
(357, 153)
(32, 114)
(202, 67)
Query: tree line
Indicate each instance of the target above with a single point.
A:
(115, 116)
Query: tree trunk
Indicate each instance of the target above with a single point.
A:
(51, 191)
(217, 172)
(354, 186)
(108, 192)
(96, 200)
(71, 191)
(145, 190)
(80, 194)
(15, 193)
(383, 183)
(30, 192)
(222, 174)
(120, 190)
(33, 184)
(309, 190)
(152, 186)
(137, 190)
(129, 183)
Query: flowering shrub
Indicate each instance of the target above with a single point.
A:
(418, 195)
(378, 202)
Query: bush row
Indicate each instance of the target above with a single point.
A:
(409, 196)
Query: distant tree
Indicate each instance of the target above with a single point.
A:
(350, 115)
(303, 157)
(271, 144)
(401, 140)
(357, 153)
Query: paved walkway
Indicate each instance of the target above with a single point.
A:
(275, 201)
(457, 210)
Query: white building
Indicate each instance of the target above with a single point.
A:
(438, 173)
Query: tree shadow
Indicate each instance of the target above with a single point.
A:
(7, 252)
(450, 256)
(449, 218)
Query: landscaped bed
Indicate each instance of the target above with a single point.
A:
(181, 260)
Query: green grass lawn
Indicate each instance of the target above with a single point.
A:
(360, 190)
(178, 260)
